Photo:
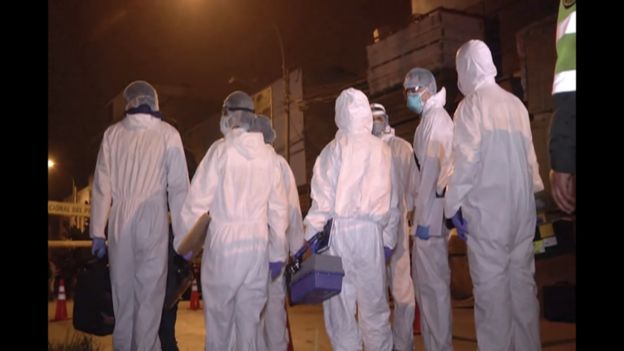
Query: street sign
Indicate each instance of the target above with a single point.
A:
(68, 209)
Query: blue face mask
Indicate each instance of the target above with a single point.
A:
(414, 103)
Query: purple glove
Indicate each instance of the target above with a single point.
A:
(275, 268)
(98, 247)
(460, 224)
(422, 232)
(188, 256)
(388, 253)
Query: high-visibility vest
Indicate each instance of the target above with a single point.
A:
(565, 69)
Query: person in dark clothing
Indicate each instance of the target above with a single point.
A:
(179, 271)
(178, 275)
(562, 143)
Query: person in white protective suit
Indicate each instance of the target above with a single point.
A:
(433, 140)
(273, 323)
(492, 187)
(140, 169)
(399, 276)
(352, 184)
(239, 183)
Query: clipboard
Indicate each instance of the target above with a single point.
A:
(193, 241)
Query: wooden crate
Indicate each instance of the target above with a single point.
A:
(512, 17)
(537, 55)
(441, 24)
(434, 57)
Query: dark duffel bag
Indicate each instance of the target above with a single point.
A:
(179, 278)
(560, 302)
(93, 301)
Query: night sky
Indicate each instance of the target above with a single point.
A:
(95, 48)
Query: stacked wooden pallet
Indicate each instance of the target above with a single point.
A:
(431, 42)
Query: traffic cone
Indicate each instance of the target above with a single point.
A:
(61, 307)
(194, 296)
(417, 320)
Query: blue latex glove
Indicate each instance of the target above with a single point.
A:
(98, 247)
(422, 232)
(460, 224)
(275, 268)
(188, 256)
(388, 253)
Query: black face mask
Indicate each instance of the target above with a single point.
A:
(144, 108)
(225, 110)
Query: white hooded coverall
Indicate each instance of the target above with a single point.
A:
(352, 184)
(494, 180)
(274, 319)
(140, 167)
(239, 182)
(399, 278)
(432, 277)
